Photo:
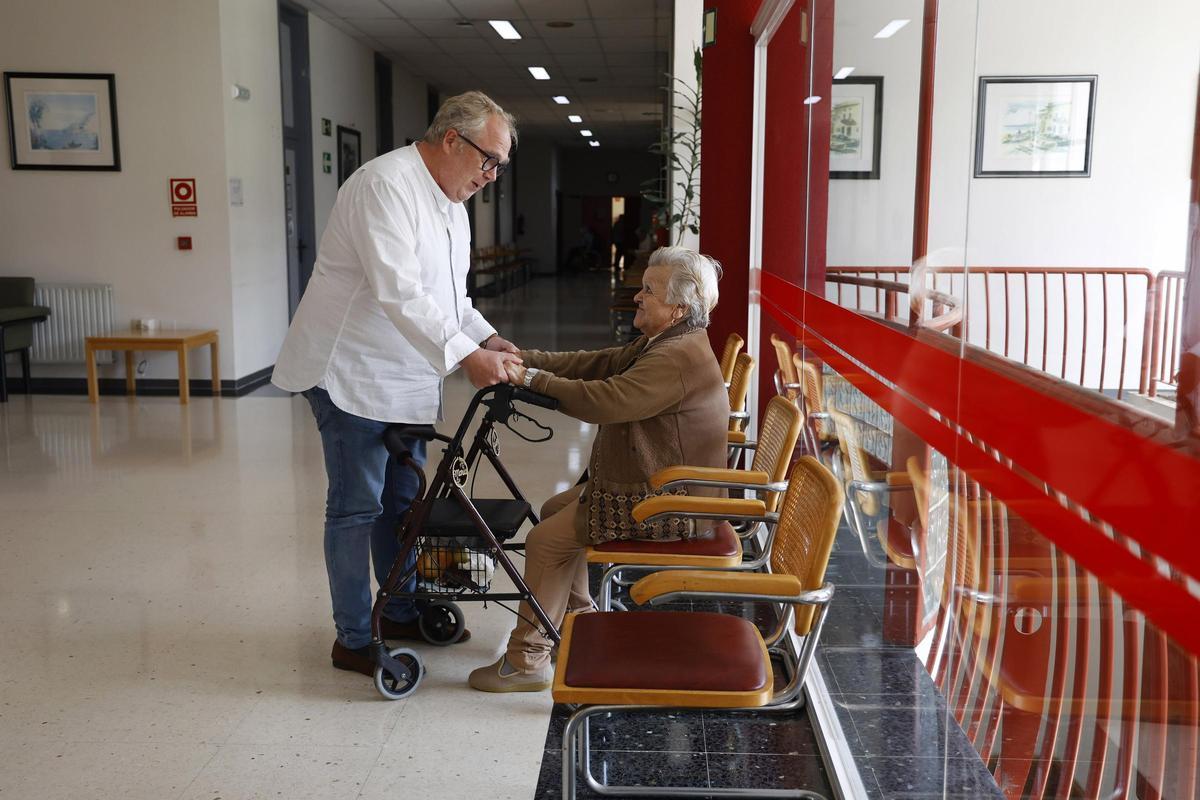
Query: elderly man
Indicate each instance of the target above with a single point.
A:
(384, 319)
(659, 401)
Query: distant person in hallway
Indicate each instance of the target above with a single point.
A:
(384, 319)
(659, 401)
(619, 237)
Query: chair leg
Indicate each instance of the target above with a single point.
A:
(25, 370)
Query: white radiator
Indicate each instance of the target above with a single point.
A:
(76, 310)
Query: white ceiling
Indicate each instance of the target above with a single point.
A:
(623, 44)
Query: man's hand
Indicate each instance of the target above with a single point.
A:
(498, 344)
(516, 373)
(486, 367)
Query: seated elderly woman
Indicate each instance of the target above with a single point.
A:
(659, 401)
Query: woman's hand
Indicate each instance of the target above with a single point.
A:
(515, 372)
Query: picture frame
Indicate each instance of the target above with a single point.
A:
(856, 128)
(62, 121)
(1035, 126)
(349, 150)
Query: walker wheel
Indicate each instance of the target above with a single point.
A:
(394, 688)
(441, 623)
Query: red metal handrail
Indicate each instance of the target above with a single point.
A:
(1007, 322)
(946, 309)
(1166, 328)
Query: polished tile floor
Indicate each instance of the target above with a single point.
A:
(165, 624)
(164, 610)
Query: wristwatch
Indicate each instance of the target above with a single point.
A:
(529, 373)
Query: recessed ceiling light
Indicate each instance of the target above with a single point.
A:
(560, 23)
(594, 143)
(463, 23)
(844, 72)
(588, 80)
(585, 132)
(575, 118)
(561, 99)
(813, 100)
(504, 28)
(539, 73)
(889, 30)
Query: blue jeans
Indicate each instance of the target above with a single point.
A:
(368, 493)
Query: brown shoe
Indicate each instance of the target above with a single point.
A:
(353, 660)
(410, 631)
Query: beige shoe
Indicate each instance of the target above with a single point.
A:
(503, 677)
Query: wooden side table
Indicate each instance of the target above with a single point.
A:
(133, 341)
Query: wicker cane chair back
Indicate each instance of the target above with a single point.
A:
(812, 388)
(854, 459)
(777, 437)
(786, 375)
(733, 346)
(739, 387)
(808, 523)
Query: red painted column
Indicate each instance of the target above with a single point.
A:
(920, 242)
(1187, 408)
(726, 129)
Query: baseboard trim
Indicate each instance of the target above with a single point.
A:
(150, 387)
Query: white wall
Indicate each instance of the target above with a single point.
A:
(342, 74)
(883, 206)
(484, 234)
(1131, 212)
(253, 153)
(688, 35)
(116, 227)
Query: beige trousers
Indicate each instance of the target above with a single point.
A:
(556, 572)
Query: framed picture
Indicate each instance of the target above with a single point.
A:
(856, 128)
(349, 148)
(1035, 127)
(62, 120)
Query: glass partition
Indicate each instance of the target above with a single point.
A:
(993, 311)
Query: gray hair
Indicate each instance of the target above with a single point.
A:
(693, 281)
(468, 113)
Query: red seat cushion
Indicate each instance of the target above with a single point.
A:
(671, 650)
(720, 542)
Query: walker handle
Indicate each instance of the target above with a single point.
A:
(395, 434)
(535, 398)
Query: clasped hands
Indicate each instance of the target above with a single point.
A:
(496, 361)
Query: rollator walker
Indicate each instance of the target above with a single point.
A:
(452, 542)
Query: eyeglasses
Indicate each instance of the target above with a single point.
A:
(490, 161)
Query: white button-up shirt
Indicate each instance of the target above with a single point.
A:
(386, 315)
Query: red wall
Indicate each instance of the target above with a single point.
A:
(725, 146)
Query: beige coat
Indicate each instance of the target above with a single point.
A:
(657, 404)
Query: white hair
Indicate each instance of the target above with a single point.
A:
(468, 113)
(693, 281)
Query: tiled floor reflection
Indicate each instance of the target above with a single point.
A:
(905, 742)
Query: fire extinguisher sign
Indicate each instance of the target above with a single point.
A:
(183, 197)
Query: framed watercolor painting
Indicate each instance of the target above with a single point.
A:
(856, 128)
(62, 120)
(1035, 127)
